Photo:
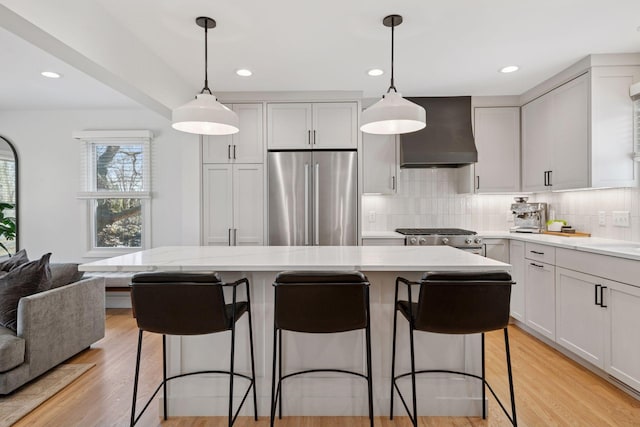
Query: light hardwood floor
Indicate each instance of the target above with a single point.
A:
(551, 390)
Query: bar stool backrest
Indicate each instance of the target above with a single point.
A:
(321, 302)
(179, 303)
(463, 302)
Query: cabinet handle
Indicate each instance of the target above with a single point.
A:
(549, 178)
(595, 288)
(309, 136)
(230, 237)
(229, 152)
(602, 288)
(537, 253)
(546, 179)
(477, 182)
(234, 151)
(536, 265)
(235, 237)
(393, 182)
(314, 137)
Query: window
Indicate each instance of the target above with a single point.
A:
(116, 186)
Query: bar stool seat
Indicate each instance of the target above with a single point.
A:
(319, 302)
(454, 303)
(189, 304)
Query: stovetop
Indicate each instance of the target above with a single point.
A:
(433, 231)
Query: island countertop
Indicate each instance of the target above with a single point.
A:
(276, 258)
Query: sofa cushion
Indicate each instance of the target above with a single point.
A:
(16, 260)
(11, 350)
(24, 280)
(64, 273)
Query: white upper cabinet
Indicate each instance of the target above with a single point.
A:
(497, 137)
(580, 134)
(380, 162)
(246, 146)
(312, 125)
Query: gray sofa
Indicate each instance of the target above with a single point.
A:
(52, 326)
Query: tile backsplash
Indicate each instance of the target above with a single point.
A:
(429, 198)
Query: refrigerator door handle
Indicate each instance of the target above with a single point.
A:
(306, 204)
(316, 219)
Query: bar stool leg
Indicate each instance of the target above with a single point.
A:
(253, 369)
(513, 399)
(135, 380)
(273, 376)
(413, 375)
(393, 350)
(280, 375)
(233, 343)
(164, 375)
(484, 390)
(369, 380)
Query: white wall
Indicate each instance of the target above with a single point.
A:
(428, 198)
(52, 218)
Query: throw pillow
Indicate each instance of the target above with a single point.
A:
(24, 280)
(63, 274)
(17, 259)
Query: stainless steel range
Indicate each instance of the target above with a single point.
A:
(456, 237)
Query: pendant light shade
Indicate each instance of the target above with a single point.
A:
(393, 114)
(205, 115)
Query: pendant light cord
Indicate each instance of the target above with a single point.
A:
(206, 62)
(393, 86)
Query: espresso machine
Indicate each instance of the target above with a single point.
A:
(528, 217)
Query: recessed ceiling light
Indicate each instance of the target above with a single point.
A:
(375, 72)
(51, 74)
(509, 69)
(243, 72)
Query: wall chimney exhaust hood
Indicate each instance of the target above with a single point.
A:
(446, 141)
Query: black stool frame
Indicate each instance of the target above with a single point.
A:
(276, 393)
(413, 414)
(230, 372)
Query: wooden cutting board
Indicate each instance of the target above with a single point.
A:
(560, 233)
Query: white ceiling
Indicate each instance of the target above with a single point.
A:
(453, 47)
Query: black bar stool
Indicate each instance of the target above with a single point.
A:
(455, 303)
(188, 304)
(319, 302)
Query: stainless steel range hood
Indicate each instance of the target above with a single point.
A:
(446, 141)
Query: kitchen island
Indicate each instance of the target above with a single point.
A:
(324, 394)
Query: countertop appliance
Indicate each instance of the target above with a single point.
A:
(313, 198)
(456, 237)
(528, 217)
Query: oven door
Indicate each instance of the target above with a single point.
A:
(477, 250)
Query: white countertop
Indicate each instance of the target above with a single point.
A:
(278, 258)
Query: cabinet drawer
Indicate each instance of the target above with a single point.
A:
(542, 253)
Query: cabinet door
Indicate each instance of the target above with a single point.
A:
(516, 258)
(248, 204)
(580, 321)
(497, 136)
(289, 125)
(217, 204)
(248, 143)
(497, 249)
(380, 163)
(570, 121)
(218, 148)
(622, 359)
(536, 143)
(335, 125)
(540, 296)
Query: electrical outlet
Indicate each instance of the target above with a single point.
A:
(602, 218)
(621, 218)
(372, 216)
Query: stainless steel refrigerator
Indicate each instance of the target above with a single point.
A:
(313, 198)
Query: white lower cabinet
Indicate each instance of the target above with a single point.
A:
(540, 295)
(516, 258)
(581, 314)
(233, 204)
(622, 332)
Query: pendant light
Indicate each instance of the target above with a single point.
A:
(205, 115)
(393, 114)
